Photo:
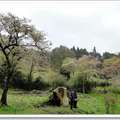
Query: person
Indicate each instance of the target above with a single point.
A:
(73, 98)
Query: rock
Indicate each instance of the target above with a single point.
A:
(60, 97)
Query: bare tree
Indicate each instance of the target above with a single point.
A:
(17, 33)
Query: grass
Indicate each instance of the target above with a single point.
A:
(21, 102)
(91, 104)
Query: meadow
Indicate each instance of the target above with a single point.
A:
(21, 102)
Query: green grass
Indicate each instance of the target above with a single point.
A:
(21, 102)
(91, 104)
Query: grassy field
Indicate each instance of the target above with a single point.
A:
(25, 103)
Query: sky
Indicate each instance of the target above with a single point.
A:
(83, 24)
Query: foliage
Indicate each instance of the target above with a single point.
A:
(89, 62)
(68, 67)
(101, 89)
(20, 81)
(107, 55)
(39, 84)
(111, 61)
(70, 64)
(58, 55)
(17, 33)
(53, 78)
(58, 80)
(115, 89)
(83, 81)
(111, 67)
(79, 52)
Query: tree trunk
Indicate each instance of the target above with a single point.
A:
(4, 96)
(5, 87)
(5, 90)
(5, 84)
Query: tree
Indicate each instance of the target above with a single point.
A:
(107, 55)
(68, 67)
(17, 33)
(95, 54)
(94, 51)
(35, 63)
(79, 52)
(58, 55)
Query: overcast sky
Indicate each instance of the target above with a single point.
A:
(83, 24)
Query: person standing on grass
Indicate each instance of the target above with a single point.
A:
(73, 99)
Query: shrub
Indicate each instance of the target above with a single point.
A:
(115, 89)
(20, 81)
(82, 81)
(102, 82)
(39, 84)
(58, 80)
(100, 89)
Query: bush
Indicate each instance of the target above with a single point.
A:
(20, 81)
(39, 84)
(115, 89)
(58, 80)
(57, 83)
(101, 90)
(82, 81)
(102, 82)
(111, 89)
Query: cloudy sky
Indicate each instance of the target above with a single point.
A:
(83, 24)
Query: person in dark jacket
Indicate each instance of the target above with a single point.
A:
(73, 98)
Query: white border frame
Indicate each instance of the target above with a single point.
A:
(60, 116)
(69, 116)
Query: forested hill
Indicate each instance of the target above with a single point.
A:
(64, 67)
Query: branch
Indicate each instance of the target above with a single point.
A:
(1, 39)
(10, 45)
(5, 54)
